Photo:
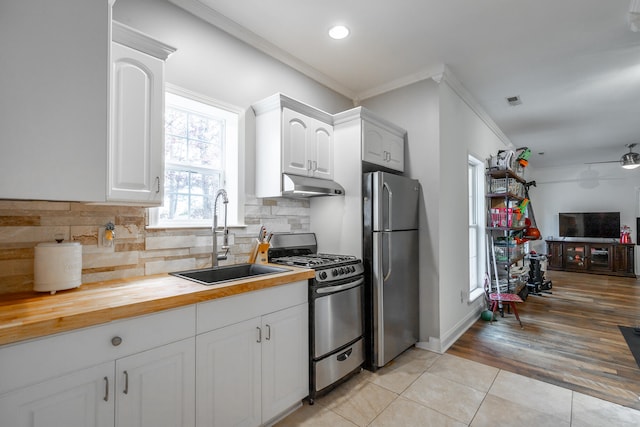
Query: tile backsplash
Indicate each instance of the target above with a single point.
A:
(137, 250)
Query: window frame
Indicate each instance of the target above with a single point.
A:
(233, 168)
(477, 220)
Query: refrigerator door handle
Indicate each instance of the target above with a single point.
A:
(385, 186)
(388, 254)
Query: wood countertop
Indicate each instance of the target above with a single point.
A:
(33, 314)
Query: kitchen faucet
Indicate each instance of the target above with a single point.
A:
(225, 236)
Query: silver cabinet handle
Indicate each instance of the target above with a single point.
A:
(126, 383)
(268, 332)
(259, 334)
(116, 341)
(106, 389)
(157, 184)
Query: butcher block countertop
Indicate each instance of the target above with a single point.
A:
(33, 314)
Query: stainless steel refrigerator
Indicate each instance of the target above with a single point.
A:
(390, 256)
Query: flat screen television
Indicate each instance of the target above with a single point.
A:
(589, 224)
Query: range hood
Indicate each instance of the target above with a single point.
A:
(305, 186)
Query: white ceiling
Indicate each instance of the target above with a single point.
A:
(574, 63)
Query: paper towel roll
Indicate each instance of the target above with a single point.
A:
(57, 266)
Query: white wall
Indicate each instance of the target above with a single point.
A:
(442, 131)
(583, 188)
(415, 108)
(211, 62)
(463, 132)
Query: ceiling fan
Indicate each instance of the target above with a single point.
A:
(628, 160)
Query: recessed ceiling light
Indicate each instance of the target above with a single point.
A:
(338, 32)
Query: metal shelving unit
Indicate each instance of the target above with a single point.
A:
(505, 190)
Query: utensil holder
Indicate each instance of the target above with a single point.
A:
(259, 253)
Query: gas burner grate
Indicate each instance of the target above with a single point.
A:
(314, 260)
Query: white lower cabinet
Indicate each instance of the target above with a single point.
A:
(80, 399)
(285, 359)
(252, 371)
(229, 371)
(156, 388)
(235, 361)
(151, 389)
(138, 372)
(256, 368)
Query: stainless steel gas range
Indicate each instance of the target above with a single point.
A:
(336, 347)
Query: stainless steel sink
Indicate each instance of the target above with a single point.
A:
(215, 275)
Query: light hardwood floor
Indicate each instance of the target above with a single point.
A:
(570, 338)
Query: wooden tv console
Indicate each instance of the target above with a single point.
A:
(590, 256)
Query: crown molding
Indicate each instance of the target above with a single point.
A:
(125, 35)
(424, 74)
(452, 81)
(201, 11)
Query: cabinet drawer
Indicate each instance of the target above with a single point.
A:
(221, 312)
(39, 359)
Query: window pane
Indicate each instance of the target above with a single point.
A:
(175, 149)
(195, 139)
(175, 206)
(176, 181)
(175, 122)
(204, 154)
(203, 128)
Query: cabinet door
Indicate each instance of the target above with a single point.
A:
(156, 388)
(285, 360)
(135, 163)
(321, 150)
(228, 386)
(624, 259)
(575, 256)
(382, 147)
(600, 257)
(80, 399)
(54, 89)
(555, 255)
(295, 143)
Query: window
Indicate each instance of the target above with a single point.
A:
(201, 157)
(476, 227)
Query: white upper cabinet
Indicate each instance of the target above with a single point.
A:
(381, 142)
(307, 145)
(382, 146)
(54, 121)
(292, 138)
(136, 146)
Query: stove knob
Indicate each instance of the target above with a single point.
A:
(323, 275)
(334, 272)
(341, 270)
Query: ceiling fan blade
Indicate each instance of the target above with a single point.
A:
(608, 161)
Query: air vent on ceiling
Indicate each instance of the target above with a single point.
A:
(514, 100)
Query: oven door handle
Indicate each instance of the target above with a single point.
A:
(338, 288)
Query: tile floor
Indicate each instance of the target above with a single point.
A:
(421, 388)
